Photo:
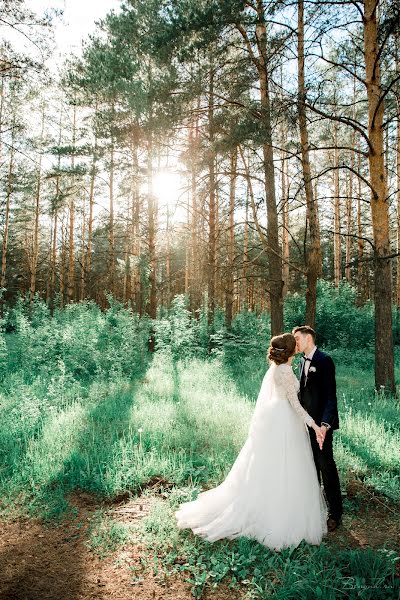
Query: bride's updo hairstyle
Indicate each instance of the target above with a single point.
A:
(281, 348)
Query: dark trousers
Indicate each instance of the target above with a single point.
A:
(326, 467)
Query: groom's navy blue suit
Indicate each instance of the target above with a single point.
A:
(318, 396)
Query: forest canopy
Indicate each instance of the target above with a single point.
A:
(234, 152)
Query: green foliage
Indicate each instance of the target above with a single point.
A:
(82, 407)
(180, 333)
(88, 342)
(339, 322)
(294, 573)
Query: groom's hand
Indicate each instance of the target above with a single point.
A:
(323, 433)
(319, 435)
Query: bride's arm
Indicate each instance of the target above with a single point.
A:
(291, 393)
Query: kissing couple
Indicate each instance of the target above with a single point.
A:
(273, 491)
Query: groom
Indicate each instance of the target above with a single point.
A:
(318, 396)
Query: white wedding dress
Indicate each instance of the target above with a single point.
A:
(271, 493)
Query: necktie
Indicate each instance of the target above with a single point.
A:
(306, 365)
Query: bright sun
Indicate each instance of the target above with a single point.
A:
(167, 186)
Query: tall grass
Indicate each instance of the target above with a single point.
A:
(83, 406)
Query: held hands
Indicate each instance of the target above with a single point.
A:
(320, 432)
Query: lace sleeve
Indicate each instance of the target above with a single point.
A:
(290, 385)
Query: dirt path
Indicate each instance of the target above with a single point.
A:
(54, 563)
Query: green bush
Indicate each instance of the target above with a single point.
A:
(180, 333)
(88, 342)
(339, 322)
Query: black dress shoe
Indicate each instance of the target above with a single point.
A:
(332, 524)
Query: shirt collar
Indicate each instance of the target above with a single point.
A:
(311, 354)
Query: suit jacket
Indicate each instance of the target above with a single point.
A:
(317, 392)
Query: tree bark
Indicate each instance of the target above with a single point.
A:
(111, 237)
(229, 299)
(273, 251)
(349, 221)
(398, 197)
(71, 250)
(212, 202)
(93, 171)
(285, 227)
(35, 247)
(313, 252)
(7, 216)
(168, 263)
(384, 359)
(83, 273)
(195, 265)
(151, 230)
(362, 276)
(337, 242)
(62, 264)
(244, 286)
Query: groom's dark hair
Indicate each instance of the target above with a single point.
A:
(305, 329)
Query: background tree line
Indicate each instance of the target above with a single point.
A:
(280, 122)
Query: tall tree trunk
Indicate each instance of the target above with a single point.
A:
(136, 238)
(349, 205)
(361, 265)
(194, 284)
(187, 248)
(1, 117)
(111, 237)
(285, 226)
(168, 261)
(244, 286)
(313, 253)
(126, 294)
(337, 241)
(55, 209)
(398, 196)
(349, 219)
(273, 251)
(7, 215)
(151, 229)
(62, 263)
(83, 278)
(93, 171)
(53, 254)
(71, 250)
(384, 359)
(212, 201)
(229, 299)
(35, 247)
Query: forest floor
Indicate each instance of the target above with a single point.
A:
(89, 489)
(42, 561)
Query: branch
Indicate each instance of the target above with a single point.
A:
(253, 57)
(345, 120)
(24, 34)
(335, 64)
(237, 103)
(349, 169)
(353, 235)
(260, 232)
(395, 80)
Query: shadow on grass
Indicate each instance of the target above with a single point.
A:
(371, 458)
(96, 440)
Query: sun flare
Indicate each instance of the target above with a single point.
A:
(167, 186)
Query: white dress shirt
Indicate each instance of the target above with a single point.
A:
(308, 362)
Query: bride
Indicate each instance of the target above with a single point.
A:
(271, 493)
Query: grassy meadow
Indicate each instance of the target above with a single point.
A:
(85, 408)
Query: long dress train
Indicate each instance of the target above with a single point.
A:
(271, 493)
